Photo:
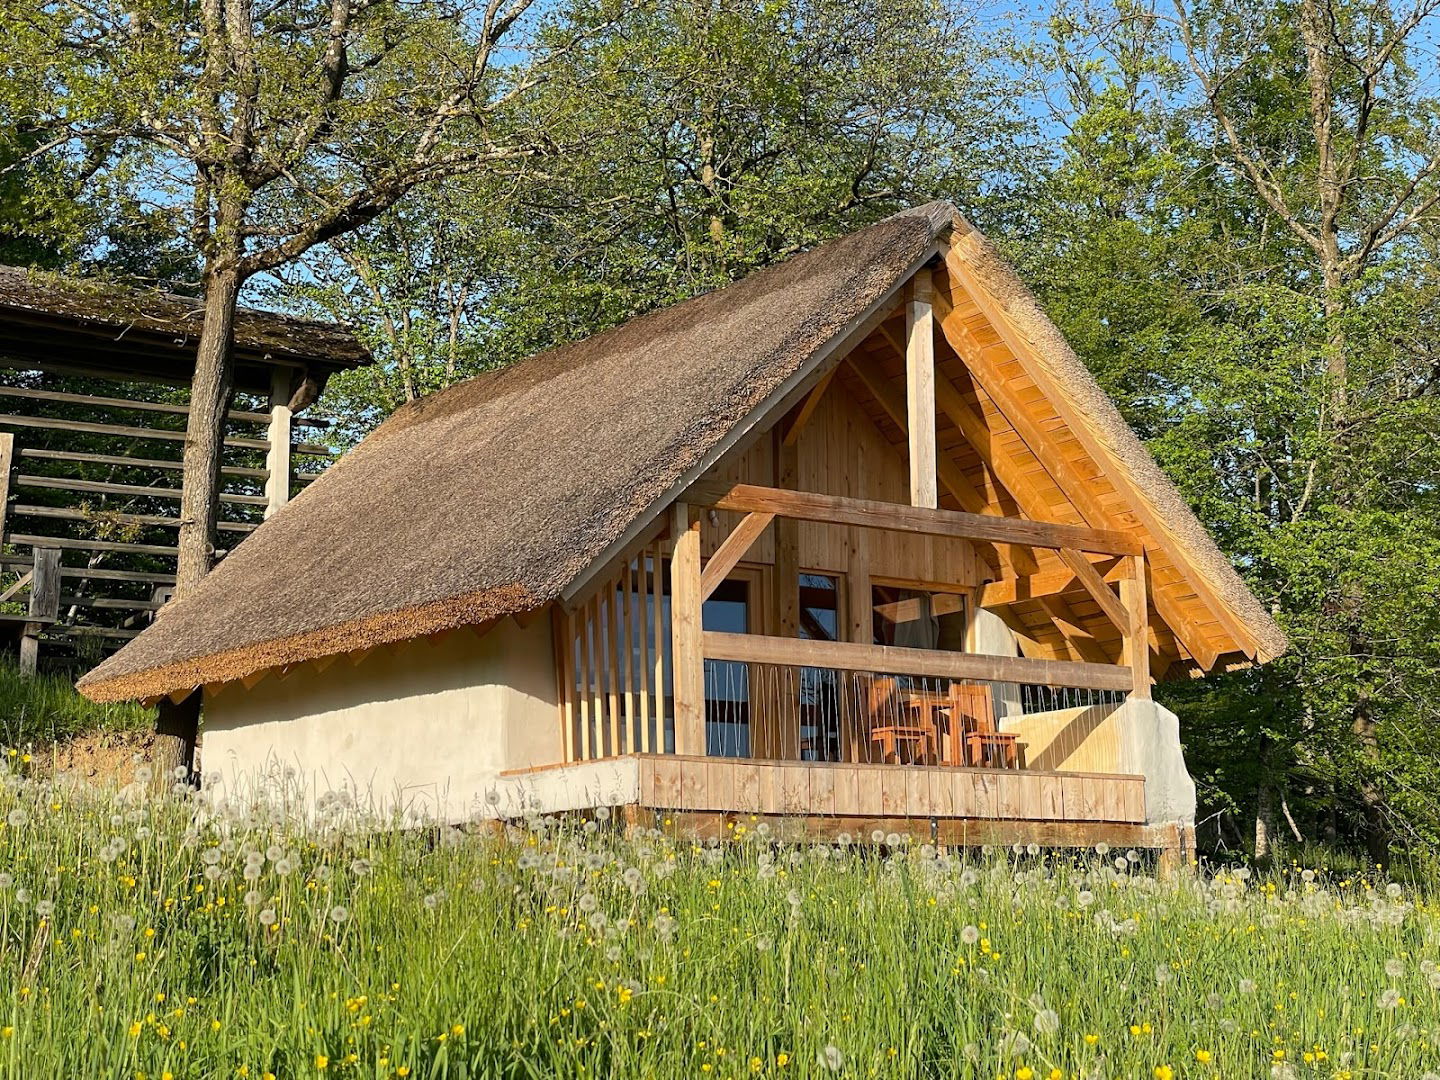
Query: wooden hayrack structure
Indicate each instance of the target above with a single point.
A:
(93, 389)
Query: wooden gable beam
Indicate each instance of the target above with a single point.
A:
(950, 474)
(873, 514)
(1023, 351)
(993, 383)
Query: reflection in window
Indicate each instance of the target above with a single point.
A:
(727, 682)
(819, 687)
(914, 619)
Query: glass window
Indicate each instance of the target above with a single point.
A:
(819, 719)
(727, 682)
(916, 619)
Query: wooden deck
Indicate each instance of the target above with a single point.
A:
(823, 799)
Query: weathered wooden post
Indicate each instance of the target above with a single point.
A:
(44, 605)
(1134, 595)
(277, 458)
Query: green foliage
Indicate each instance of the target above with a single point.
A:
(46, 709)
(1283, 374)
(137, 936)
(706, 140)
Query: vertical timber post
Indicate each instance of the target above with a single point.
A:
(7, 462)
(687, 656)
(1134, 595)
(277, 458)
(920, 390)
(767, 737)
(44, 605)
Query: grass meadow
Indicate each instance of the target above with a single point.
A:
(146, 936)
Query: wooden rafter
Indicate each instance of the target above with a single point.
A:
(992, 382)
(1094, 584)
(1023, 351)
(951, 475)
(1003, 593)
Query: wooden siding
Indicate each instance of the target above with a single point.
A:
(874, 791)
(841, 451)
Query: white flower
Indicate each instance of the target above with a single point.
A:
(1162, 974)
(602, 813)
(1047, 1022)
(339, 914)
(16, 818)
(268, 917)
(1389, 999)
(1247, 986)
(45, 908)
(1395, 967)
(1393, 891)
(831, 1058)
(970, 935)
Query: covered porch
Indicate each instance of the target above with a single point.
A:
(674, 702)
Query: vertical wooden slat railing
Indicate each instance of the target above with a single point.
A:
(612, 651)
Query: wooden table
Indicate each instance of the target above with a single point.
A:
(971, 737)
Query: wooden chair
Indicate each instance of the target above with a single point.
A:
(973, 738)
(885, 715)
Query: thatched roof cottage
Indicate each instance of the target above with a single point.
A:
(857, 539)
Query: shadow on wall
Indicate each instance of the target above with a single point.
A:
(1081, 739)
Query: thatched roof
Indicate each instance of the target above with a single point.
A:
(150, 333)
(490, 498)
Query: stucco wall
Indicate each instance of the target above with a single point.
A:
(1134, 737)
(1070, 740)
(423, 729)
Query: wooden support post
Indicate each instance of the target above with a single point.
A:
(1134, 595)
(687, 657)
(7, 462)
(920, 390)
(44, 605)
(277, 458)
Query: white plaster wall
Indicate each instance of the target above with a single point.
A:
(422, 730)
(1150, 746)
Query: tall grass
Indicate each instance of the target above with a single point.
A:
(145, 936)
(46, 709)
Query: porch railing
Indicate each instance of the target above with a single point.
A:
(639, 674)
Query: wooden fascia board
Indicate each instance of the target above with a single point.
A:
(991, 382)
(1024, 352)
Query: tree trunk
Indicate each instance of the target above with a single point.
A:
(1265, 831)
(177, 726)
(205, 432)
(1377, 830)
